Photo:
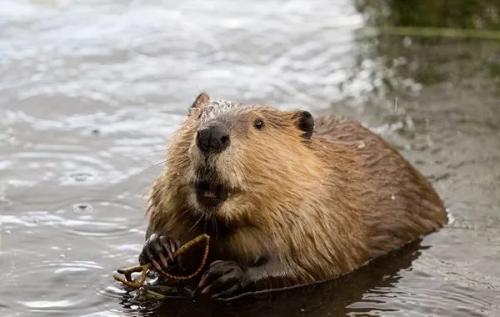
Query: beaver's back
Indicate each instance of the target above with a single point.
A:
(396, 203)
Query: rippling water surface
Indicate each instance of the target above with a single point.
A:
(92, 90)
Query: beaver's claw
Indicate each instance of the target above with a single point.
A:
(159, 251)
(222, 279)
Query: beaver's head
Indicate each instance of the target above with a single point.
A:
(230, 161)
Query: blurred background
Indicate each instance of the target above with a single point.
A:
(90, 92)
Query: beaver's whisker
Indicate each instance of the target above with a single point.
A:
(156, 164)
(196, 223)
(214, 224)
(206, 222)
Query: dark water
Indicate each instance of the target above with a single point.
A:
(92, 90)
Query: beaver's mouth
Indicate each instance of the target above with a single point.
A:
(211, 194)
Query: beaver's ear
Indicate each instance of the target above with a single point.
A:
(201, 100)
(305, 122)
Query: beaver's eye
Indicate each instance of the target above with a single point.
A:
(258, 124)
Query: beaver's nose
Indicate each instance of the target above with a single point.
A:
(213, 139)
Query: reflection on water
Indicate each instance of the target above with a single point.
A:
(328, 298)
(91, 91)
(467, 14)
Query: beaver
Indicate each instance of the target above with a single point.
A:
(287, 199)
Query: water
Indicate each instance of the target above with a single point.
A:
(92, 90)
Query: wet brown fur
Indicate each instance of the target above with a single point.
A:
(310, 208)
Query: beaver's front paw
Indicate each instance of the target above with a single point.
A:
(222, 279)
(159, 251)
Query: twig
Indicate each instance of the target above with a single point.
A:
(124, 275)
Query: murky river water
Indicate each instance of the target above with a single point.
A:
(90, 92)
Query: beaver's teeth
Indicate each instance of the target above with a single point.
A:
(209, 194)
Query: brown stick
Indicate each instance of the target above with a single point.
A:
(127, 279)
